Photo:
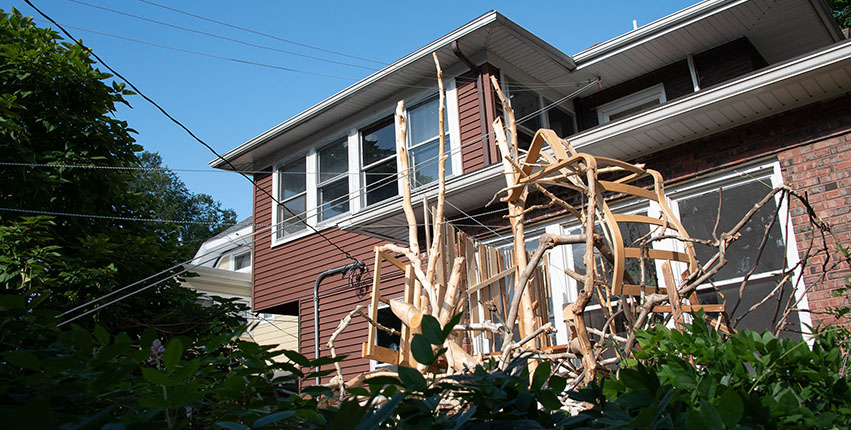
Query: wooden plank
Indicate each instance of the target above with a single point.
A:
(491, 280)
(606, 161)
(628, 189)
(373, 304)
(691, 308)
(643, 219)
(635, 290)
(673, 297)
(394, 261)
(656, 254)
(380, 353)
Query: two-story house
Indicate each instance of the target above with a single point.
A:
(732, 95)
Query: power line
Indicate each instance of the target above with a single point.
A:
(186, 129)
(304, 45)
(115, 218)
(217, 36)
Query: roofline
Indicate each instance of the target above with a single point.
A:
(318, 108)
(683, 17)
(693, 12)
(488, 18)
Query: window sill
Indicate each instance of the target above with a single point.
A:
(322, 225)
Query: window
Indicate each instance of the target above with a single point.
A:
(378, 155)
(333, 181)
(424, 142)
(528, 107)
(631, 104)
(242, 261)
(292, 195)
(698, 213)
(697, 206)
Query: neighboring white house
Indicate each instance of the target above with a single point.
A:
(223, 265)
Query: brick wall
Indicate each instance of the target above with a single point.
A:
(813, 145)
(822, 170)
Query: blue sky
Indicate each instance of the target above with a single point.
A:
(227, 102)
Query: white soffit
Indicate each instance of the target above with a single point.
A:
(778, 29)
(801, 81)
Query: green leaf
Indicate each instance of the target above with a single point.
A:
(549, 400)
(733, 408)
(23, 359)
(542, 372)
(349, 413)
(557, 384)
(421, 349)
(523, 400)
(297, 358)
(412, 379)
(230, 425)
(155, 376)
(431, 330)
(172, 354)
(373, 420)
(101, 334)
(447, 330)
(273, 418)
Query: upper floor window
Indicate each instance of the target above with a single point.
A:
(424, 142)
(292, 195)
(631, 104)
(533, 111)
(241, 261)
(378, 151)
(333, 181)
(378, 155)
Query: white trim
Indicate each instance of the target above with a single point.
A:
(454, 126)
(692, 71)
(684, 106)
(605, 111)
(354, 166)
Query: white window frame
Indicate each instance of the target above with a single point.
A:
(375, 364)
(320, 183)
(760, 170)
(542, 100)
(357, 178)
(605, 111)
(233, 258)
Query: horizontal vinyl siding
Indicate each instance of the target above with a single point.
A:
(472, 155)
(287, 273)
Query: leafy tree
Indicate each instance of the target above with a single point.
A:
(56, 109)
(170, 198)
(841, 11)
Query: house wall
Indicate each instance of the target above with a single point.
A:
(714, 66)
(477, 108)
(283, 331)
(812, 144)
(285, 275)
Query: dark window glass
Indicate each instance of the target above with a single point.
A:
(334, 199)
(381, 182)
(379, 141)
(242, 261)
(766, 315)
(698, 216)
(388, 319)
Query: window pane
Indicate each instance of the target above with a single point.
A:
(423, 121)
(388, 319)
(634, 109)
(524, 101)
(333, 161)
(288, 223)
(698, 216)
(560, 121)
(334, 199)
(292, 178)
(381, 182)
(242, 261)
(379, 141)
(425, 162)
(763, 318)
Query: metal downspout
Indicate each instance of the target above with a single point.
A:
(323, 275)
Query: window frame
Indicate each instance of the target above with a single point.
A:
(342, 177)
(236, 255)
(605, 111)
(542, 97)
(411, 146)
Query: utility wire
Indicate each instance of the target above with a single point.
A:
(229, 39)
(304, 45)
(115, 218)
(186, 129)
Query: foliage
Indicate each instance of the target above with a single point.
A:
(79, 378)
(696, 379)
(169, 198)
(55, 108)
(841, 10)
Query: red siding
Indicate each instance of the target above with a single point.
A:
(286, 274)
(470, 119)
